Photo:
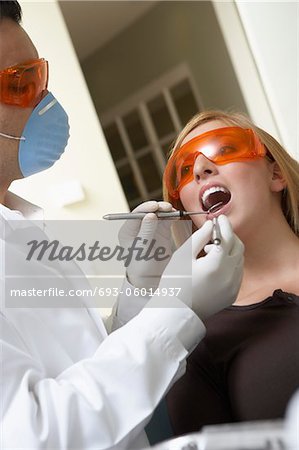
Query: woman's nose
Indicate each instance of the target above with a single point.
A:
(203, 168)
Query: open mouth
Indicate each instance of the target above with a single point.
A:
(213, 196)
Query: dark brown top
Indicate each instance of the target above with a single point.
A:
(246, 368)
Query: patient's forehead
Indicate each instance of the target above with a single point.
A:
(15, 45)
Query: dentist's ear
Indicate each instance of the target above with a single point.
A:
(278, 181)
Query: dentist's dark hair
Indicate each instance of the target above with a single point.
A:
(10, 10)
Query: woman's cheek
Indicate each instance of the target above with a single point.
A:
(188, 198)
(190, 202)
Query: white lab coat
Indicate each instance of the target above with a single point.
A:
(66, 384)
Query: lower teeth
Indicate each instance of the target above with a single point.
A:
(215, 207)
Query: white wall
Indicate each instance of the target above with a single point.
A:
(262, 39)
(87, 158)
(272, 30)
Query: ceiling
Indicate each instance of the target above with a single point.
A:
(92, 24)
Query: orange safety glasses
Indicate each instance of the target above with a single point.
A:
(221, 146)
(23, 85)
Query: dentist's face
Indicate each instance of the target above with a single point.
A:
(244, 187)
(15, 47)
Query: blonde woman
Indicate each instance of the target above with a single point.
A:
(247, 367)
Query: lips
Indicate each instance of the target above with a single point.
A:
(210, 195)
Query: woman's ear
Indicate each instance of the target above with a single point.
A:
(278, 182)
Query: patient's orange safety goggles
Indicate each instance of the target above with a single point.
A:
(23, 85)
(221, 146)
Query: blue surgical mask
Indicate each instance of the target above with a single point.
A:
(44, 137)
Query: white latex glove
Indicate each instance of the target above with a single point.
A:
(214, 280)
(146, 274)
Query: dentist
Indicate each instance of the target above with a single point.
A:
(64, 382)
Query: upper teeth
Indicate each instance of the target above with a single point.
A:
(211, 191)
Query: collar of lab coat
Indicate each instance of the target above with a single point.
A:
(16, 210)
(15, 207)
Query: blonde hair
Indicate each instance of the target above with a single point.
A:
(288, 166)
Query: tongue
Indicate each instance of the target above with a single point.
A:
(217, 197)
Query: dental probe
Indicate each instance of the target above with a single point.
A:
(160, 214)
(216, 236)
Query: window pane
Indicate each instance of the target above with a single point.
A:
(128, 182)
(160, 116)
(114, 142)
(184, 101)
(135, 130)
(150, 172)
